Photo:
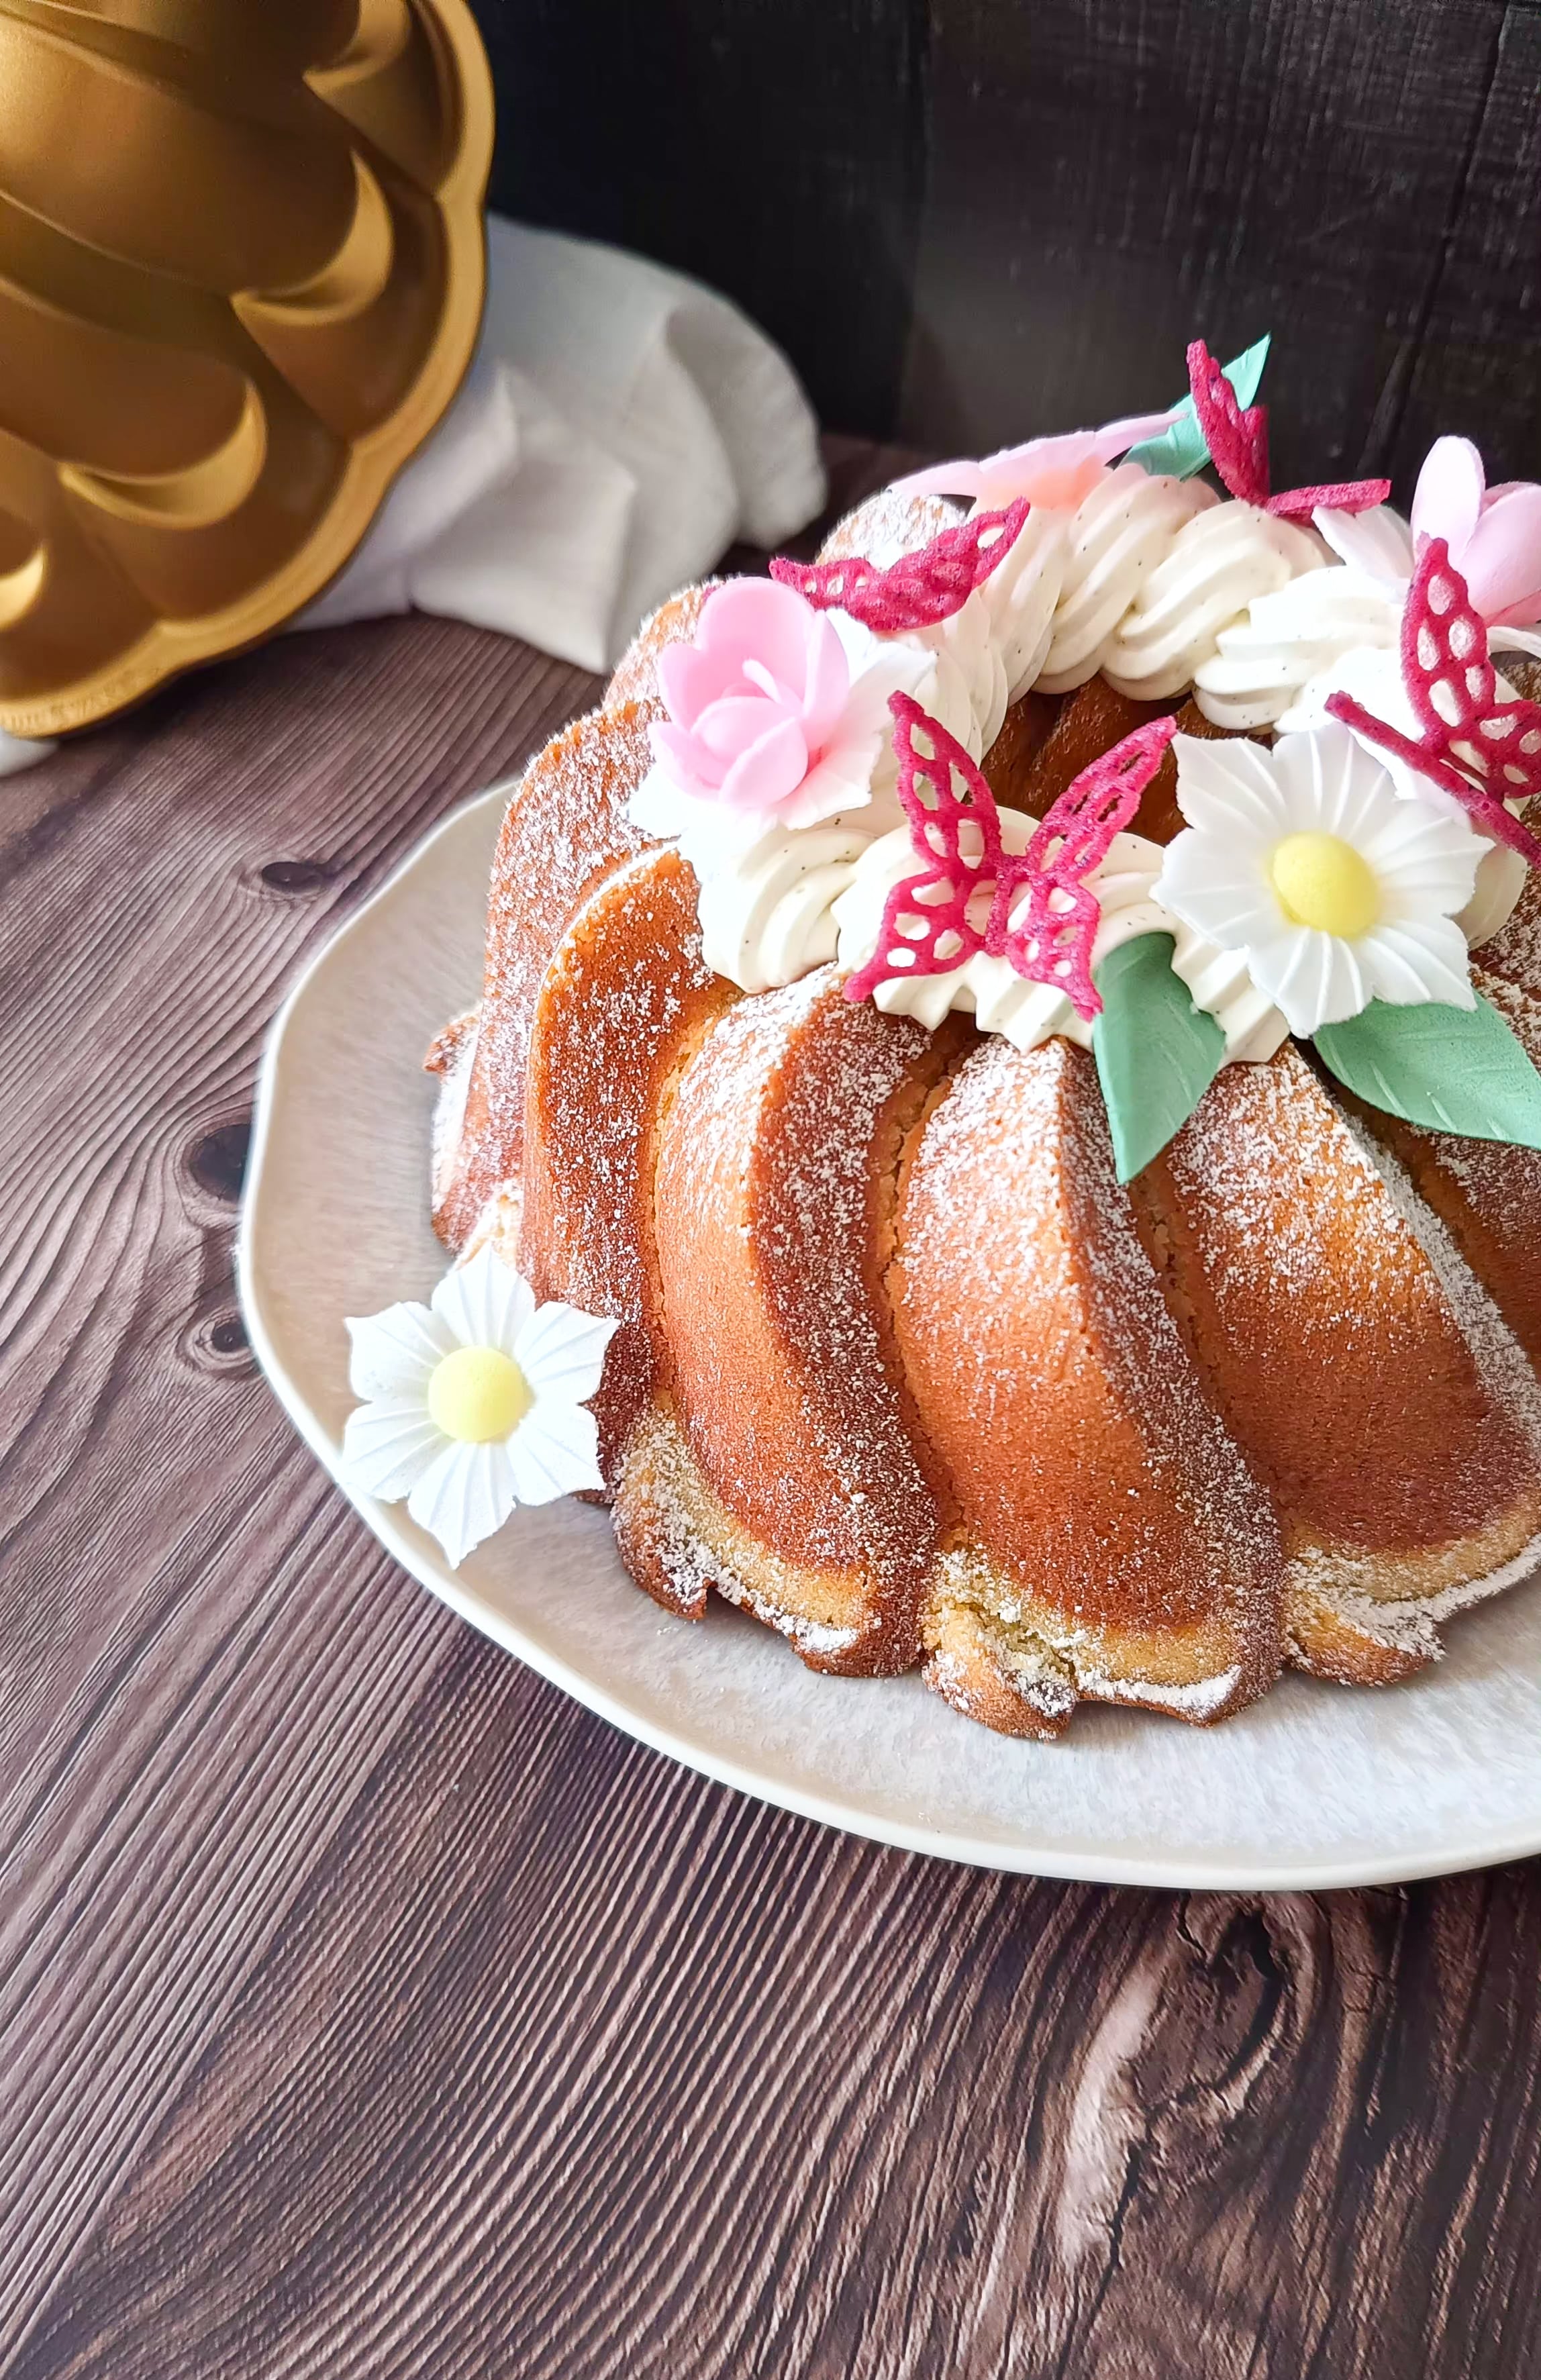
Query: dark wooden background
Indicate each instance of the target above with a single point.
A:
(369, 2011)
(366, 2008)
(971, 220)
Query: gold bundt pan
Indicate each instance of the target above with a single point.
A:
(241, 271)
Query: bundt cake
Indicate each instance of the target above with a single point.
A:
(987, 1014)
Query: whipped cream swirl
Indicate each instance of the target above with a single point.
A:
(969, 676)
(1274, 666)
(767, 911)
(1160, 585)
(1217, 566)
(1026, 1014)
(1022, 595)
(1289, 636)
(1115, 539)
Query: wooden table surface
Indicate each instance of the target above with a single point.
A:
(367, 2008)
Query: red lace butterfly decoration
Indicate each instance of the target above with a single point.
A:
(932, 922)
(1484, 751)
(1238, 443)
(920, 589)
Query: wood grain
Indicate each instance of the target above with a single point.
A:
(1477, 356)
(969, 221)
(366, 2008)
(1106, 179)
(161, 882)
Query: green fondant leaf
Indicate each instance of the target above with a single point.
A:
(1182, 449)
(1157, 1054)
(1454, 1069)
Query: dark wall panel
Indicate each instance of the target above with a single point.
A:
(775, 148)
(1479, 355)
(970, 220)
(1110, 176)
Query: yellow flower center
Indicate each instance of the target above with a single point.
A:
(477, 1394)
(1323, 882)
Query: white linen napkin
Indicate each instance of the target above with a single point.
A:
(20, 751)
(619, 428)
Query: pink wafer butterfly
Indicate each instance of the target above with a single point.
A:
(1484, 751)
(1238, 443)
(1053, 944)
(920, 589)
(962, 899)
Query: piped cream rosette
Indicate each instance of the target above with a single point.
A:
(1293, 645)
(1131, 576)
(1139, 582)
(1026, 1014)
(1290, 640)
(1158, 584)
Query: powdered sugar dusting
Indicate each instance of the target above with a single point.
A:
(888, 525)
(1066, 1217)
(664, 1499)
(1034, 1677)
(1411, 1624)
(1056, 1654)
(1356, 1356)
(1501, 1363)
(451, 1058)
(626, 985)
(776, 1117)
(1514, 951)
(565, 826)
(614, 1002)
(674, 623)
(1228, 1162)
(1196, 1699)
(814, 1639)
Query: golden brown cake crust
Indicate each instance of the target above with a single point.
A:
(565, 827)
(770, 1220)
(1331, 1343)
(1089, 724)
(1102, 1513)
(674, 623)
(884, 525)
(625, 996)
(1359, 1365)
(973, 1663)
(1486, 1193)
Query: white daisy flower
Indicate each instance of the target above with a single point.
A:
(474, 1403)
(1374, 680)
(1339, 890)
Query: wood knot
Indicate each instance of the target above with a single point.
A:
(217, 1342)
(296, 875)
(217, 1163)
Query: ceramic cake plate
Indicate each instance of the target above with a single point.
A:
(1316, 1786)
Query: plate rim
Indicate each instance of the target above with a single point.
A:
(1176, 1873)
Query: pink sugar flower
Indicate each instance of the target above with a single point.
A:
(764, 719)
(1494, 534)
(1054, 472)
